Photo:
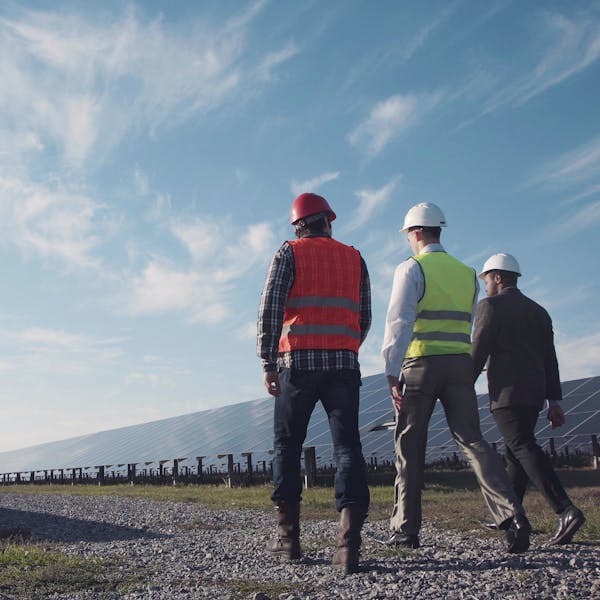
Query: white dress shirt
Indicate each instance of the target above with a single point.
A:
(408, 288)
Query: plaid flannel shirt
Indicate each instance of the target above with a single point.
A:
(280, 279)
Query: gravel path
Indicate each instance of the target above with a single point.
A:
(188, 551)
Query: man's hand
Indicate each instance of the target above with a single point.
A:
(556, 416)
(271, 381)
(396, 392)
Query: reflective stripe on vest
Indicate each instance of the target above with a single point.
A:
(443, 324)
(322, 311)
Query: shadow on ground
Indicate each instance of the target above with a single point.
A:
(69, 529)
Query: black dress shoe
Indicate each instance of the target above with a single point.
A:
(569, 521)
(405, 540)
(517, 534)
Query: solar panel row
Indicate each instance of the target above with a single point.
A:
(247, 427)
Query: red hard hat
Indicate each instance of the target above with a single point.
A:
(309, 204)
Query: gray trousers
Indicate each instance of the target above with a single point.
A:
(449, 379)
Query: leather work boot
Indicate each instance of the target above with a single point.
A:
(569, 521)
(347, 554)
(286, 543)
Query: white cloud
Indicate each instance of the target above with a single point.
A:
(420, 37)
(578, 357)
(369, 202)
(593, 190)
(52, 222)
(390, 118)
(83, 83)
(246, 331)
(220, 255)
(156, 371)
(313, 184)
(574, 167)
(140, 180)
(55, 350)
(569, 45)
(161, 288)
(575, 222)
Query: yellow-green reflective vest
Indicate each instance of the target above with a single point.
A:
(443, 324)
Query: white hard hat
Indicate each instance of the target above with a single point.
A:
(425, 214)
(501, 262)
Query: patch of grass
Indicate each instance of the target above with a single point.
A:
(451, 499)
(35, 571)
(522, 576)
(391, 552)
(243, 588)
(312, 544)
(200, 525)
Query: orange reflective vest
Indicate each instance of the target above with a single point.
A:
(322, 311)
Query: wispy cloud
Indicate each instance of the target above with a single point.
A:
(568, 46)
(420, 37)
(81, 84)
(402, 50)
(52, 222)
(574, 222)
(314, 183)
(155, 371)
(369, 201)
(575, 167)
(390, 118)
(220, 256)
(55, 350)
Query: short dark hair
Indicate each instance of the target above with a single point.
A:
(508, 277)
(303, 229)
(431, 231)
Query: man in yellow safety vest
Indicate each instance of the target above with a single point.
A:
(426, 352)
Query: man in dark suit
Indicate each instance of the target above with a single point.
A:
(516, 335)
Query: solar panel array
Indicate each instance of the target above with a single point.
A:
(248, 427)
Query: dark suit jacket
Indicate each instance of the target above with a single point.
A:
(516, 334)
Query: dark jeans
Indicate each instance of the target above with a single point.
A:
(526, 461)
(339, 393)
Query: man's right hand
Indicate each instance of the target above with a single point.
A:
(556, 416)
(396, 392)
(271, 381)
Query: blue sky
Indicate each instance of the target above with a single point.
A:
(149, 154)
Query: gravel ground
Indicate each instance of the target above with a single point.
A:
(187, 551)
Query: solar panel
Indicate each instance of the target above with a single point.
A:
(248, 427)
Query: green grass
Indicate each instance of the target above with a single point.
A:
(451, 499)
(244, 588)
(35, 571)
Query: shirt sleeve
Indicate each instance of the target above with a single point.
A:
(407, 290)
(280, 278)
(365, 301)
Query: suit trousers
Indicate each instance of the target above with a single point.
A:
(449, 379)
(526, 461)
